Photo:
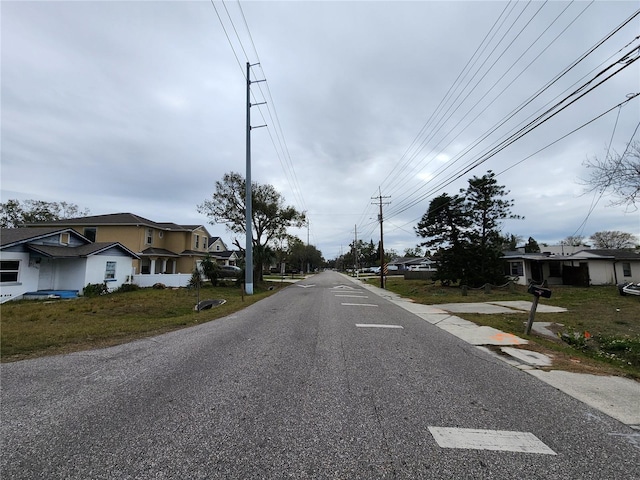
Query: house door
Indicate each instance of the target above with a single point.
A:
(576, 276)
(536, 272)
(47, 275)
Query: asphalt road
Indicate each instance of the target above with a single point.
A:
(292, 387)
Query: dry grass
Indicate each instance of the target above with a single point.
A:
(35, 328)
(600, 332)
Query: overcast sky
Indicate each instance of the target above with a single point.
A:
(140, 107)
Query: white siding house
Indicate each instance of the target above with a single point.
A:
(583, 268)
(46, 259)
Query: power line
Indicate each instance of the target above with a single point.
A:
(518, 134)
(274, 127)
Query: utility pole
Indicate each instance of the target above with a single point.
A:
(382, 265)
(355, 250)
(308, 264)
(248, 268)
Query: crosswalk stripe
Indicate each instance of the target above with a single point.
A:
(500, 440)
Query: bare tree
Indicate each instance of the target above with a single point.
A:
(619, 175)
(14, 213)
(573, 241)
(613, 239)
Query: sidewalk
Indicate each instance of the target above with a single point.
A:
(615, 396)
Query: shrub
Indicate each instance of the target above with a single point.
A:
(95, 289)
(127, 287)
(196, 279)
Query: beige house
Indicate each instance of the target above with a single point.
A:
(162, 248)
(219, 251)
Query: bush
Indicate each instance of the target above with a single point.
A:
(159, 286)
(95, 289)
(211, 270)
(127, 287)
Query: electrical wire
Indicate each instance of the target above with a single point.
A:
(529, 101)
(276, 134)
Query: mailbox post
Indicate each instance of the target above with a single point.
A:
(537, 292)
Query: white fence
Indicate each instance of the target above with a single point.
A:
(168, 279)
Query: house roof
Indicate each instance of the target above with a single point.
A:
(619, 254)
(409, 260)
(55, 251)
(15, 236)
(118, 219)
(159, 252)
(10, 237)
(224, 254)
(591, 254)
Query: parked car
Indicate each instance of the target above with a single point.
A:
(230, 271)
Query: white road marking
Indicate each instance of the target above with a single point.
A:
(489, 440)
(376, 325)
(359, 304)
(353, 296)
(305, 286)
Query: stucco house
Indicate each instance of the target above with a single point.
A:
(582, 268)
(58, 259)
(219, 251)
(162, 247)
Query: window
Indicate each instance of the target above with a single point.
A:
(90, 233)
(149, 236)
(9, 270)
(217, 248)
(64, 238)
(204, 242)
(160, 234)
(516, 269)
(626, 269)
(197, 241)
(110, 272)
(554, 269)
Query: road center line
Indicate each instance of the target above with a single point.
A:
(376, 325)
(359, 304)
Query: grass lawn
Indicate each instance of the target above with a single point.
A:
(600, 332)
(35, 328)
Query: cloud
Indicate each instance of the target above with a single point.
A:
(140, 106)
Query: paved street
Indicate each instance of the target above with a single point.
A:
(323, 380)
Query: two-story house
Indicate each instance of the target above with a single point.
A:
(219, 251)
(162, 247)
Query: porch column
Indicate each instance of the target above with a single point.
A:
(164, 265)
(152, 268)
(174, 264)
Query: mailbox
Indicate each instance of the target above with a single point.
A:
(539, 291)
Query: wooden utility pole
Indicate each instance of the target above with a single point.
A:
(355, 250)
(382, 265)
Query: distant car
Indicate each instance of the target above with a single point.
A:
(230, 271)
(423, 267)
(375, 270)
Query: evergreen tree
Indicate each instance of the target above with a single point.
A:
(531, 246)
(444, 226)
(465, 229)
